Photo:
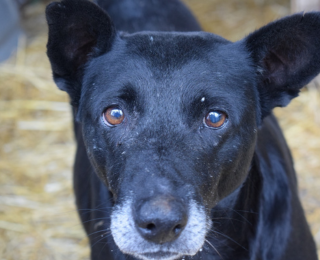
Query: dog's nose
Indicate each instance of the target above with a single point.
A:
(161, 219)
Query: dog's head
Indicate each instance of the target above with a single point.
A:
(170, 120)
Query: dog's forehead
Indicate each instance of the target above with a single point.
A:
(179, 67)
(171, 50)
(165, 52)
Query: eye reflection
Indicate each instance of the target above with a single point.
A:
(215, 119)
(113, 116)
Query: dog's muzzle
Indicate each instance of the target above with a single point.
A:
(159, 228)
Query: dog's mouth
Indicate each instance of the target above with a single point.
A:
(159, 255)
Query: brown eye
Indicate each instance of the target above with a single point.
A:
(113, 116)
(215, 119)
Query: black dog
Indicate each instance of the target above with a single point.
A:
(178, 154)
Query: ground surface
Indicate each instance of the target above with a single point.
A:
(38, 220)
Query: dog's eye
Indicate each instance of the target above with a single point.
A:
(215, 119)
(113, 116)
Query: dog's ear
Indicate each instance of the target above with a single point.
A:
(78, 31)
(286, 54)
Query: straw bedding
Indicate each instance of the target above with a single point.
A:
(38, 220)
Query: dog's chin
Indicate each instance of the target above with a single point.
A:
(160, 255)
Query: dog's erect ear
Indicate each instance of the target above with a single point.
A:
(78, 30)
(286, 54)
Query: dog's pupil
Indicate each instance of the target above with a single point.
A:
(116, 113)
(113, 116)
(215, 117)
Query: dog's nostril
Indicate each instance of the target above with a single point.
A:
(177, 229)
(151, 226)
(160, 219)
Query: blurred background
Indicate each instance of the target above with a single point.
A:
(38, 220)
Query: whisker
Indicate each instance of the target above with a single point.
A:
(105, 218)
(229, 238)
(106, 243)
(242, 217)
(236, 210)
(103, 237)
(246, 211)
(107, 229)
(97, 209)
(228, 219)
(106, 234)
(213, 248)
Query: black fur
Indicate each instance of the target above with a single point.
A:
(166, 82)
